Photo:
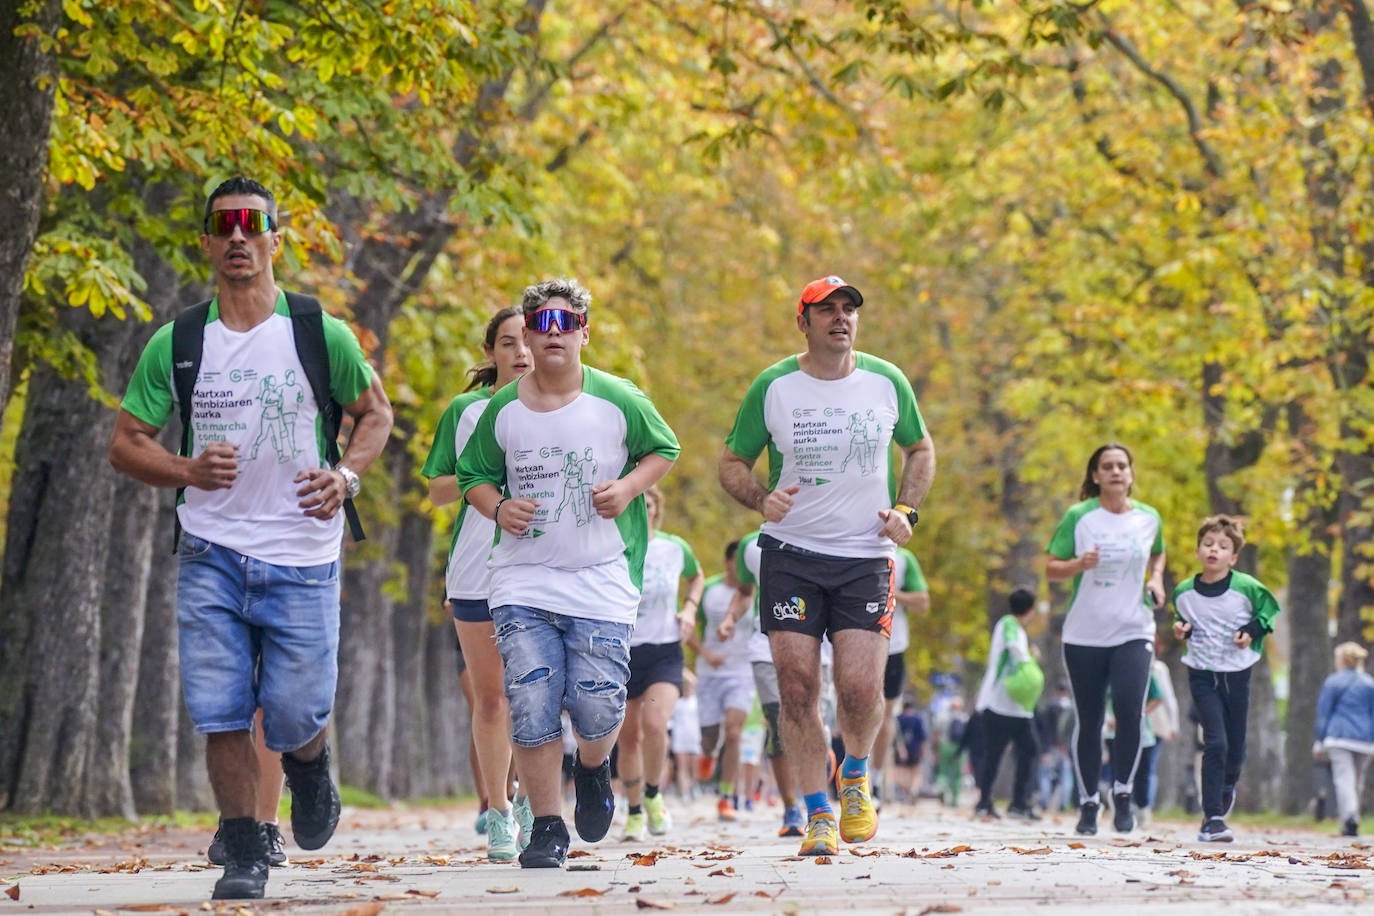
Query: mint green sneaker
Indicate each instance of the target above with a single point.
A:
(524, 819)
(634, 827)
(657, 813)
(501, 832)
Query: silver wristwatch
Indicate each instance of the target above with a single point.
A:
(351, 482)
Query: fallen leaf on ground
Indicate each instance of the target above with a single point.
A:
(503, 890)
(941, 908)
(645, 904)
(582, 892)
(649, 858)
(720, 901)
(1030, 851)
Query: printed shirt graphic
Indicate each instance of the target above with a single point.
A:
(1109, 604)
(833, 438)
(571, 560)
(1010, 637)
(715, 601)
(906, 577)
(667, 561)
(253, 393)
(468, 576)
(1216, 611)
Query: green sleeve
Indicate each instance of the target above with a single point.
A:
(149, 397)
(443, 453)
(350, 374)
(914, 580)
(483, 460)
(1061, 545)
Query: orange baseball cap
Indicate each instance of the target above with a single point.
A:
(825, 287)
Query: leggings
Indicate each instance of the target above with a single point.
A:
(1125, 669)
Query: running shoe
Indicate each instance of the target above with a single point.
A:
(858, 820)
(501, 836)
(657, 814)
(793, 821)
(821, 837)
(1214, 830)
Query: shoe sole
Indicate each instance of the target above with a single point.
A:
(852, 838)
(541, 863)
(500, 856)
(791, 831)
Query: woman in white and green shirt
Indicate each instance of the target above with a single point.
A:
(1113, 548)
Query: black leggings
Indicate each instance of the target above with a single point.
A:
(1092, 669)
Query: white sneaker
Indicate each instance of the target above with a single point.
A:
(524, 819)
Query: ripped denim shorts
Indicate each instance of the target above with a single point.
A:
(555, 662)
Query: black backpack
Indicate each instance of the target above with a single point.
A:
(307, 328)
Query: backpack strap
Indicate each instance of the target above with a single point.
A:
(188, 338)
(307, 327)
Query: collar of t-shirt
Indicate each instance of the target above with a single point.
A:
(1212, 589)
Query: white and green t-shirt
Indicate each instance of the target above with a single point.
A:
(1217, 610)
(667, 561)
(1110, 605)
(467, 577)
(1008, 639)
(571, 561)
(715, 602)
(253, 393)
(833, 438)
(906, 577)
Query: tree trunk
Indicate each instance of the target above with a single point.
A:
(449, 720)
(157, 703)
(414, 766)
(58, 530)
(28, 74)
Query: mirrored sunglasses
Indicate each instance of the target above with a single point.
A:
(545, 319)
(253, 222)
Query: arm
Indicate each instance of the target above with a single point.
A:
(737, 477)
(687, 616)
(1057, 569)
(444, 490)
(913, 601)
(740, 602)
(918, 472)
(323, 489)
(135, 451)
(1154, 581)
(610, 497)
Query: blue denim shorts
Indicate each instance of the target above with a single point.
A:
(253, 634)
(555, 662)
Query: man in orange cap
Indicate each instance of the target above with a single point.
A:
(829, 534)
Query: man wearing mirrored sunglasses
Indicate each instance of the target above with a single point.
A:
(828, 418)
(261, 530)
(560, 459)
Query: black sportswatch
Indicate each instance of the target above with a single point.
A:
(912, 516)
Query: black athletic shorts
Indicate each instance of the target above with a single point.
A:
(894, 676)
(654, 663)
(801, 591)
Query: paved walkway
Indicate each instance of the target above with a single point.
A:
(925, 859)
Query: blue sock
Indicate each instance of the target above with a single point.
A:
(854, 767)
(817, 803)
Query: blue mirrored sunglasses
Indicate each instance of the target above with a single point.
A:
(544, 320)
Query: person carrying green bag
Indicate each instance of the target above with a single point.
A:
(1006, 699)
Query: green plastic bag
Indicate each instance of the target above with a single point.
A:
(1025, 684)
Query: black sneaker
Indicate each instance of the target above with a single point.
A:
(1023, 814)
(1122, 817)
(246, 860)
(1228, 800)
(1087, 819)
(1214, 830)
(548, 844)
(595, 802)
(216, 853)
(314, 800)
(1350, 827)
(276, 845)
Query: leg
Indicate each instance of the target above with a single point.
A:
(1237, 703)
(270, 776)
(490, 709)
(1087, 668)
(997, 732)
(1344, 777)
(630, 757)
(858, 654)
(232, 763)
(656, 709)
(1027, 749)
(797, 659)
(1130, 680)
(1204, 686)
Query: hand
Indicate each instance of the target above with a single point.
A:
(1182, 629)
(1156, 593)
(714, 659)
(1242, 639)
(322, 492)
(610, 497)
(1090, 558)
(778, 503)
(515, 515)
(896, 527)
(216, 468)
(726, 629)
